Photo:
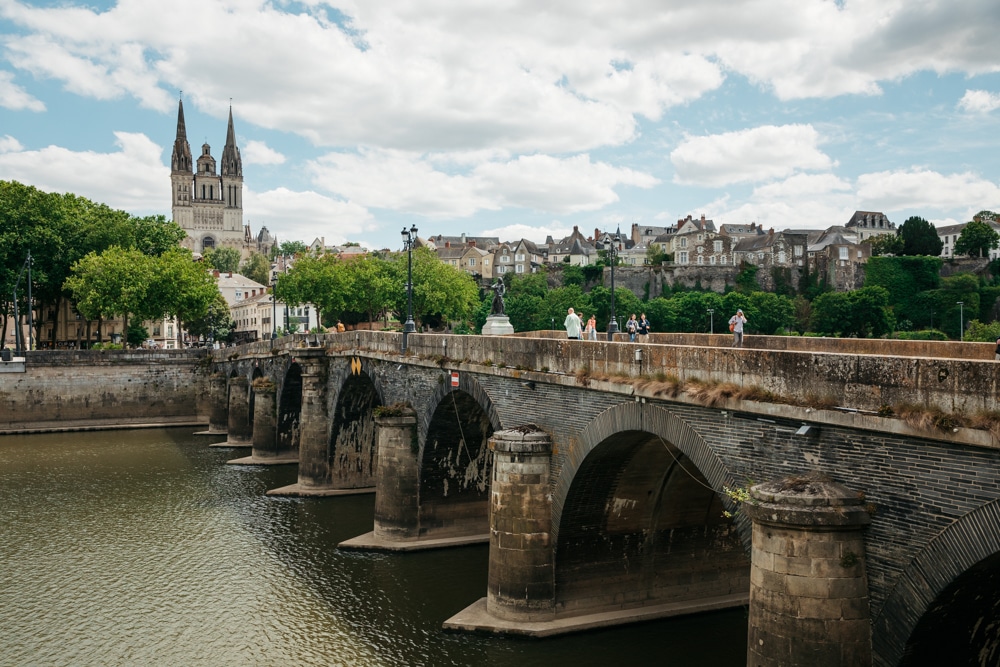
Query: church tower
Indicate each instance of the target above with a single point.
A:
(208, 205)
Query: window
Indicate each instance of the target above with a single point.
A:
(520, 257)
(781, 257)
(711, 260)
(505, 258)
(717, 246)
(682, 257)
(486, 261)
(684, 243)
(501, 269)
(701, 260)
(722, 260)
(472, 261)
(798, 251)
(519, 268)
(843, 252)
(760, 257)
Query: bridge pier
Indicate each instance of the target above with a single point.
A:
(218, 413)
(522, 560)
(808, 585)
(239, 427)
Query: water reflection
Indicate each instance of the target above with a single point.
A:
(142, 548)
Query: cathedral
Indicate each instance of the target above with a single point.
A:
(208, 205)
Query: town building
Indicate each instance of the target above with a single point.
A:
(866, 224)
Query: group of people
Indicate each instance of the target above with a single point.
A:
(577, 330)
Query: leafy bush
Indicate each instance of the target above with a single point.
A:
(925, 334)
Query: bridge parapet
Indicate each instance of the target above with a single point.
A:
(855, 381)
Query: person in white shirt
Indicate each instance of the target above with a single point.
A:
(736, 323)
(572, 324)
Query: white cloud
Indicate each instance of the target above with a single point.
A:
(14, 97)
(9, 144)
(517, 76)
(979, 101)
(518, 231)
(925, 189)
(126, 179)
(258, 152)
(545, 183)
(303, 216)
(757, 154)
(413, 183)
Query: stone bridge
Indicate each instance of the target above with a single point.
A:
(617, 482)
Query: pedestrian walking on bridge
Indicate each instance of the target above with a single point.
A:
(572, 324)
(736, 323)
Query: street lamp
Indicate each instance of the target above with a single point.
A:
(961, 321)
(211, 326)
(613, 257)
(18, 334)
(409, 238)
(711, 320)
(274, 306)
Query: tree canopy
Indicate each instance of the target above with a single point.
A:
(976, 240)
(919, 237)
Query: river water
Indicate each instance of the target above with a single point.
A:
(142, 548)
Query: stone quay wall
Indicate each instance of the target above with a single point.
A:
(105, 389)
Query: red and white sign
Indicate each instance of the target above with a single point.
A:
(454, 378)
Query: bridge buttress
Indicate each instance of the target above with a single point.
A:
(239, 427)
(808, 584)
(313, 418)
(265, 422)
(218, 416)
(397, 494)
(522, 557)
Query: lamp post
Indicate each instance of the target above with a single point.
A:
(961, 320)
(409, 238)
(613, 257)
(18, 334)
(711, 320)
(274, 306)
(211, 326)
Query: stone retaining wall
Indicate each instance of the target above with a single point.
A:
(93, 388)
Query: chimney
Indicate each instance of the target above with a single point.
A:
(472, 243)
(597, 233)
(447, 244)
(703, 217)
(230, 274)
(215, 273)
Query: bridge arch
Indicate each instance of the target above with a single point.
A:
(352, 444)
(947, 601)
(454, 461)
(290, 408)
(637, 519)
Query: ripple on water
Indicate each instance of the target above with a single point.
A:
(142, 548)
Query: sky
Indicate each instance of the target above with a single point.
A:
(513, 118)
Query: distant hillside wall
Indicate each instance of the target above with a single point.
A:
(104, 388)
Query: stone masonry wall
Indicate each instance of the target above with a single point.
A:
(109, 388)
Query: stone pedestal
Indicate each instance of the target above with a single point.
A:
(218, 415)
(397, 512)
(265, 420)
(521, 576)
(314, 423)
(808, 587)
(239, 426)
(497, 325)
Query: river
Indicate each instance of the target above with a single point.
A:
(142, 548)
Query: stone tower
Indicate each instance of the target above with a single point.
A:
(207, 205)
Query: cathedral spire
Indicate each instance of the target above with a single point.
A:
(181, 158)
(232, 164)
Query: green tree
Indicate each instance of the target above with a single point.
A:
(292, 248)
(257, 268)
(321, 281)
(976, 240)
(886, 244)
(180, 288)
(572, 275)
(226, 260)
(112, 284)
(919, 237)
(370, 292)
(862, 313)
(771, 312)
